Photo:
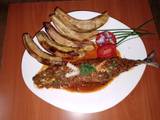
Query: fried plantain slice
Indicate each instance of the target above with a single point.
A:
(53, 33)
(38, 54)
(69, 33)
(50, 45)
(81, 25)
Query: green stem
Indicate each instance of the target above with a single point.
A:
(140, 26)
(142, 30)
(119, 37)
(124, 40)
(115, 29)
(127, 35)
(123, 34)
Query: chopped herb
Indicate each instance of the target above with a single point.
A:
(86, 69)
(114, 64)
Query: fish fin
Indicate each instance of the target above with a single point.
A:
(150, 60)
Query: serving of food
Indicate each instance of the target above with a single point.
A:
(79, 57)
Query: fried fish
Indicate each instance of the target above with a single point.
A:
(91, 72)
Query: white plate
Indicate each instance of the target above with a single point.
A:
(100, 100)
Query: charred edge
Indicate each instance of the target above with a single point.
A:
(37, 57)
(33, 54)
(45, 45)
(48, 27)
(48, 38)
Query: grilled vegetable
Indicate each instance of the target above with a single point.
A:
(69, 33)
(50, 45)
(52, 32)
(38, 54)
(81, 25)
(64, 55)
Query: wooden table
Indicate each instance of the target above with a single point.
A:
(17, 102)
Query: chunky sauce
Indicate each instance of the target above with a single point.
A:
(91, 87)
(88, 88)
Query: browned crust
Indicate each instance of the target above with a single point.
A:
(53, 33)
(81, 25)
(69, 33)
(37, 53)
(50, 45)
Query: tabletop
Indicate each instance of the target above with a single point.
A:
(17, 102)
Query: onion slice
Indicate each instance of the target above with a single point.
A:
(74, 70)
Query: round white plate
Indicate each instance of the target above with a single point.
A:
(100, 100)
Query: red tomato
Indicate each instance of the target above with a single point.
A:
(105, 38)
(106, 51)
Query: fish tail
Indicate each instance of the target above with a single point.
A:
(150, 60)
